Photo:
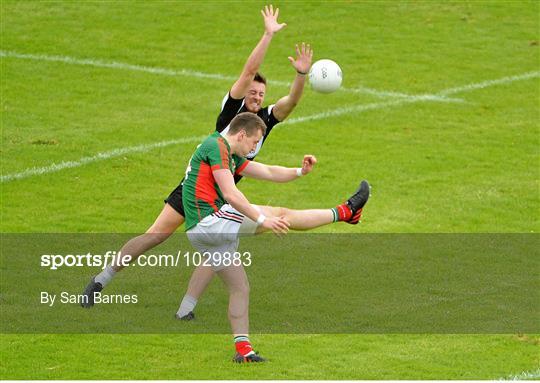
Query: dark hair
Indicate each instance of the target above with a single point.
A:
(259, 78)
(249, 122)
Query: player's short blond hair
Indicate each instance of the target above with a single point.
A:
(249, 122)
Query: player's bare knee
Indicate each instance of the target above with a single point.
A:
(281, 211)
(237, 313)
(274, 211)
(241, 289)
(284, 212)
(244, 289)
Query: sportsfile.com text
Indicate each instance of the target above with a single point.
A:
(56, 261)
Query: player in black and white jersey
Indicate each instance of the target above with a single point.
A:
(246, 94)
(230, 107)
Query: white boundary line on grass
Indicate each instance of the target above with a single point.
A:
(485, 84)
(191, 73)
(535, 374)
(390, 94)
(55, 167)
(460, 89)
(115, 65)
(349, 109)
(336, 112)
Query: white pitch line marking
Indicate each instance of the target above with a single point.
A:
(411, 99)
(347, 110)
(363, 108)
(144, 148)
(485, 84)
(190, 73)
(337, 112)
(56, 167)
(390, 94)
(116, 65)
(523, 375)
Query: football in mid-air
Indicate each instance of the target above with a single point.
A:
(325, 76)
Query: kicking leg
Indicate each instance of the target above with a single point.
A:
(299, 219)
(312, 218)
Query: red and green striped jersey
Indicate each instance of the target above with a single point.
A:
(201, 195)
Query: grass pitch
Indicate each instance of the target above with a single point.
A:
(82, 79)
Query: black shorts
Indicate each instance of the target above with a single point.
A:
(175, 200)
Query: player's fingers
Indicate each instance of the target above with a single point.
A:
(297, 50)
(271, 9)
(276, 14)
(282, 220)
(280, 229)
(283, 230)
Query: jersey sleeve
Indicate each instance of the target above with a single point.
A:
(241, 164)
(217, 154)
(229, 108)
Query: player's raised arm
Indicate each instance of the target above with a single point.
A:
(236, 199)
(255, 59)
(278, 173)
(302, 63)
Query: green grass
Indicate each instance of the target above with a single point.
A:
(292, 357)
(435, 167)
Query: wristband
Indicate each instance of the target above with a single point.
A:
(261, 219)
(299, 172)
(301, 73)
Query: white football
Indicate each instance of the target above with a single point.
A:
(325, 76)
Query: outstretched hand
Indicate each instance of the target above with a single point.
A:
(271, 24)
(302, 63)
(308, 163)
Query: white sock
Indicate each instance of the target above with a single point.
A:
(187, 305)
(105, 276)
